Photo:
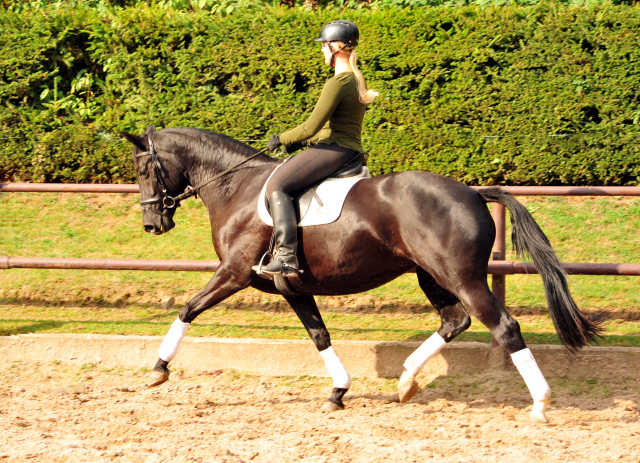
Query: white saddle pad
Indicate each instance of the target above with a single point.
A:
(332, 193)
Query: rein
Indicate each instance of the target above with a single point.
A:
(167, 201)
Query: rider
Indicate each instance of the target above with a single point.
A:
(334, 132)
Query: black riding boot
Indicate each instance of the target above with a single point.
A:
(285, 229)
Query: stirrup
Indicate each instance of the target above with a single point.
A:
(258, 268)
(285, 270)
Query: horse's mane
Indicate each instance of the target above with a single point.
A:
(208, 144)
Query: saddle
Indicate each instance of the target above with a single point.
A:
(352, 168)
(334, 189)
(355, 169)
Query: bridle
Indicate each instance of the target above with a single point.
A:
(158, 173)
(168, 201)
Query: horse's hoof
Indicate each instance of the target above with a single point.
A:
(329, 407)
(538, 415)
(407, 388)
(538, 418)
(158, 377)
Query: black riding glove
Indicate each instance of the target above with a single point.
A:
(274, 143)
(293, 147)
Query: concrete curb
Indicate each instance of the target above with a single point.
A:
(292, 358)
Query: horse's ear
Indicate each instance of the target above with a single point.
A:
(137, 141)
(150, 130)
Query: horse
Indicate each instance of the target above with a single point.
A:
(390, 224)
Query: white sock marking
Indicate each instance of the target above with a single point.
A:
(416, 361)
(339, 373)
(171, 344)
(533, 377)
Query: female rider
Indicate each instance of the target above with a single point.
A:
(334, 132)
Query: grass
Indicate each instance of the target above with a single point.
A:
(124, 302)
(591, 230)
(76, 225)
(253, 323)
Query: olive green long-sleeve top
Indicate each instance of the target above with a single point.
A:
(337, 116)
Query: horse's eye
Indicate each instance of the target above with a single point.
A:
(144, 174)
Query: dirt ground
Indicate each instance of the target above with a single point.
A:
(56, 413)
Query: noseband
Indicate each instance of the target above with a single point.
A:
(167, 201)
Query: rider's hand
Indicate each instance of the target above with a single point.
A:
(293, 147)
(274, 143)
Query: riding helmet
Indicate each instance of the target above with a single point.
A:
(340, 30)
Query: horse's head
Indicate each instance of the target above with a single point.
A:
(160, 178)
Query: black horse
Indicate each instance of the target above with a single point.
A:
(390, 225)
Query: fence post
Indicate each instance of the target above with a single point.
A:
(498, 212)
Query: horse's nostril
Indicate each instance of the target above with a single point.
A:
(149, 228)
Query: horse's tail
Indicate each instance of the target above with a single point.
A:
(574, 329)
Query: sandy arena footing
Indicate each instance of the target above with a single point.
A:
(55, 412)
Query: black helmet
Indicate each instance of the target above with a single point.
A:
(340, 30)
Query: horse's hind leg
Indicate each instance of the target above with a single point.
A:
(307, 311)
(454, 320)
(485, 307)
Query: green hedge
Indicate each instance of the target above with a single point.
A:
(451, 80)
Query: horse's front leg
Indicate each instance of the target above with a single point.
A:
(223, 284)
(307, 311)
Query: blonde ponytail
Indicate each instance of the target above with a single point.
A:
(366, 96)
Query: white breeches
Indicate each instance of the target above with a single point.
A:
(171, 344)
(533, 377)
(416, 361)
(339, 373)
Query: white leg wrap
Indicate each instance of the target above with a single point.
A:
(337, 370)
(416, 361)
(171, 344)
(533, 377)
